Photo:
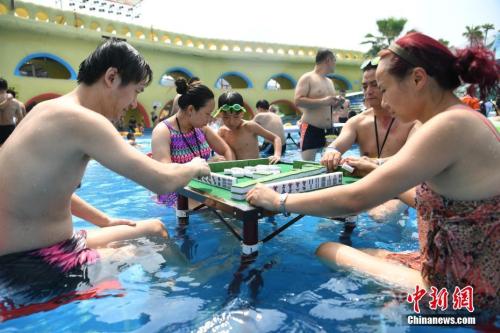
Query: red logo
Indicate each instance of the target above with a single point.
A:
(438, 299)
(462, 298)
(415, 298)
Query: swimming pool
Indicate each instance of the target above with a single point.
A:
(286, 289)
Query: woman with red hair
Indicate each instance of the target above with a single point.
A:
(451, 160)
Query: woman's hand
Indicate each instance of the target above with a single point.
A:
(263, 196)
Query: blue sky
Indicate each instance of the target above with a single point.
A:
(327, 23)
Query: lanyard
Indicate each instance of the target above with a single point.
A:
(185, 140)
(379, 149)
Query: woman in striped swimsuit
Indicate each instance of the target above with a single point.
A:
(186, 135)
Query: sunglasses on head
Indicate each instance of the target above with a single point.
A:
(370, 63)
(228, 108)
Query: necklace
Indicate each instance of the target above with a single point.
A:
(379, 149)
(185, 140)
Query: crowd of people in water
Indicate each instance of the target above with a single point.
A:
(419, 144)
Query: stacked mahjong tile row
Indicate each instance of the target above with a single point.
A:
(254, 172)
(239, 180)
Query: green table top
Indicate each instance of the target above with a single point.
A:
(226, 194)
(497, 125)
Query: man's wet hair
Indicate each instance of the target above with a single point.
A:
(262, 104)
(323, 54)
(12, 92)
(3, 84)
(117, 54)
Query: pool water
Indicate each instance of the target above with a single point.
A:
(194, 283)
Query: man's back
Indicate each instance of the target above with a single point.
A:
(36, 180)
(11, 113)
(271, 122)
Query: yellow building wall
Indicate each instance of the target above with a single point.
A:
(31, 29)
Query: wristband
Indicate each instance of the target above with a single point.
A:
(282, 208)
(331, 149)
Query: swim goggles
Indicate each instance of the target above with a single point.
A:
(228, 108)
(373, 62)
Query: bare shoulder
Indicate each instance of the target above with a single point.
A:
(459, 118)
(250, 125)
(63, 111)
(16, 103)
(160, 130)
(305, 77)
(414, 125)
(452, 127)
(259, 117)
(361, 117)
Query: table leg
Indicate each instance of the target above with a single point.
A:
(289, 136)
(182, 209)
(250, 244)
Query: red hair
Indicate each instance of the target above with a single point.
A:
(475, 65)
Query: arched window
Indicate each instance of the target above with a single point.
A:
(340, 82)
(173, 74)
(233, 80)
(45, 65)
(280, 81)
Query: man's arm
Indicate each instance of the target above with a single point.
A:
(89, 213)
(97, 138)
(301, 95)
(342, 143)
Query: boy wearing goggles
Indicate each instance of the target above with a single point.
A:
(241, 135)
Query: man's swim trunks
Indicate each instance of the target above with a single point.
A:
(312, 137)
(65, 255)
(5, 132)
(36, 276)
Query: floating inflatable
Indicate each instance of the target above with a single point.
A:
(124, 133)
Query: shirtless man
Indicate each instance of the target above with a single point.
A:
(377, 133)
(39, 173)
(11, 112)
(271, 122)
(315, 96)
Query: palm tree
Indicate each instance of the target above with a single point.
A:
(389, 29)
(487, 27)
(473, 34)
(377, 44)
(444, 42)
